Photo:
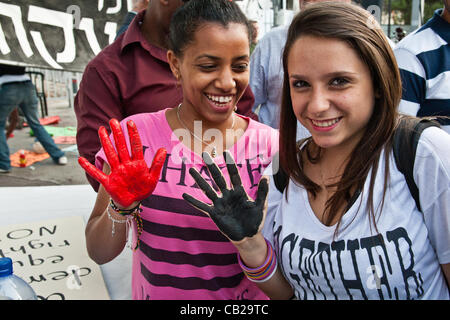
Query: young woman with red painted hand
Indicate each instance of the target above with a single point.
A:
(181, 253)
(130, 181)
(125, 182)
(345, 224)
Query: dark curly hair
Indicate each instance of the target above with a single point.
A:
(187, 18)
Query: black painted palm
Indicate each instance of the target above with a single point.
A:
(234, 212)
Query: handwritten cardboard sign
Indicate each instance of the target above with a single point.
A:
(51, 256)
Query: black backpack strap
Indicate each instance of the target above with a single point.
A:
(280, 177)
(406, 138)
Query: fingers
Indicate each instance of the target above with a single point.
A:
(207, 189)
(261, 193)
(216, 174)
(233, 172)
(119, 139)
(135, 141)
(197, 203)
(110, 152)
(93, 171)
(155, 168)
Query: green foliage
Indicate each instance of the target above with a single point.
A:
(430, 7)
(404, 8)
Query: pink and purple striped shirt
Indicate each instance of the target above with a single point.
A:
(182, 254)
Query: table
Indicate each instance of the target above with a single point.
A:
(28, 204)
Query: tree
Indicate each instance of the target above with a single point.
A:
(430, 7)
(401, 10)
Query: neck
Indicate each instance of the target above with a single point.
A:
(211, 137)
(189, 119)
(445, 15)
(153, 32)
(334, 160)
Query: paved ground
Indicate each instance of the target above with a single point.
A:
(46, 173)
(46, 191)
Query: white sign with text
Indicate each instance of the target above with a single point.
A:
(51, 256)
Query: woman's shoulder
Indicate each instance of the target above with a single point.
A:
(152, 126)
(437, 137)
(435, 142)
(256, 126)
(147, 116)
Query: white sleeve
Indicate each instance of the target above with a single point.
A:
(432, 176)
(257, 80)
(274, 198)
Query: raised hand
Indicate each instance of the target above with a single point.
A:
(236, 215)
(130, 179)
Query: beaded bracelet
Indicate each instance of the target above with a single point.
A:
(265, 271)
(140, 226)
(123, 212)
(130, 213)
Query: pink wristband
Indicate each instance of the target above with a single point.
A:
(265, 271)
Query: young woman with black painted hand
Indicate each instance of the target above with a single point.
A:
(345, 225)
(179, 252)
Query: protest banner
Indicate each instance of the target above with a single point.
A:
(64, 34)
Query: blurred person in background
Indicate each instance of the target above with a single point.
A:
(17, 90)
(424, 61)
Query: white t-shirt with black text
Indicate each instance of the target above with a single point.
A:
(402, 262)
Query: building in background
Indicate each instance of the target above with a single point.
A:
(391, 14)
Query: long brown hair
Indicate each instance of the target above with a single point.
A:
(356, 27)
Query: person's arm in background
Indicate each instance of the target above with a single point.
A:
(257, 81)
(413, 81)
(95, 104)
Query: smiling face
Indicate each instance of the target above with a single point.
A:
(331, 91)
(214, 70)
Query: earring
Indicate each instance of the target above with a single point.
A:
(235, 108)
(177, 77)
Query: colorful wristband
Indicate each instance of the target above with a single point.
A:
(265, 271)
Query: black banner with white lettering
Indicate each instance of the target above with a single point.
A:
(63, 34)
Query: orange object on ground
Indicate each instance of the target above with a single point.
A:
(31, 157)
(65, 140)
(47, 120)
